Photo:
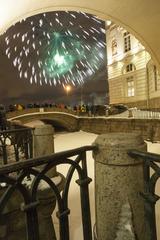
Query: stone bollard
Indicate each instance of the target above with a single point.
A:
(43, 144)
(118, 181)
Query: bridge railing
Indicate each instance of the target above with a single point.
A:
(16, 144)
(151, 176)
(145, 113)
(29, 194)
(37, 110)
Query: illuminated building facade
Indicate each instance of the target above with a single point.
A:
(133, 77)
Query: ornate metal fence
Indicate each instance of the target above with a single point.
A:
(15, 145)
(30, 198)
(151, 161)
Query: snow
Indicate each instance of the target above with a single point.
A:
(65, 141)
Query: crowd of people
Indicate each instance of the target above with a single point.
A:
(84, 109)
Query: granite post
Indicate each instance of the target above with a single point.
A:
(43, 144)
(118, 181)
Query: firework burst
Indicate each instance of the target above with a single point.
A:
(57, 47)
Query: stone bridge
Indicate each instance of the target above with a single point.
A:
(149, 128)
(58, 117)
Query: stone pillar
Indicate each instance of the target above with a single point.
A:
(118, 180)
(43, 144)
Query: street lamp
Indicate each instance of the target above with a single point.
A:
(68, 89)
(81, 94)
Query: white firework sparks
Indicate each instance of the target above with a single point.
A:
(57, 48)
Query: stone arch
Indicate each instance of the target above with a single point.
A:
(101, 14)
(56, 124)
(68, 121)
(119, 12)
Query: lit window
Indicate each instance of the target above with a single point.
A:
(155, 77)
(127, 42)
(130, 86)
(130, 67)
(114, 47)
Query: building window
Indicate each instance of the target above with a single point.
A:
(155, 77)
(130, 86)
(114, 47)
(130, 67)
(127, 41)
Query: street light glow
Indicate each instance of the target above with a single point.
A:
(68, 88)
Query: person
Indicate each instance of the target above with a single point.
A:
(3, 119)
(83, 108)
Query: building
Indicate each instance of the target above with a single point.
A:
(132, 74)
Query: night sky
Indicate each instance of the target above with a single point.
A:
(42, 54)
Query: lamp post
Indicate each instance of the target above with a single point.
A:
(81, 94)
(67, 89)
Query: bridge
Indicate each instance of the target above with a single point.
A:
(67, 119)
(56, 116)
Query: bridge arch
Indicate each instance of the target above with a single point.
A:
(132, 15)
(68, 121)
(57, 125)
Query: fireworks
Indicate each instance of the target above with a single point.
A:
(57, 47)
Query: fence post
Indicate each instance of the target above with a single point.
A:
(118, 181)
(43, 144)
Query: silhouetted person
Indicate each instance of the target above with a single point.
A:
(11, 108)
(3, 120)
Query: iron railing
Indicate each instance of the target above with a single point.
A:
(16, 144)
(151, 161)
(25, 168)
